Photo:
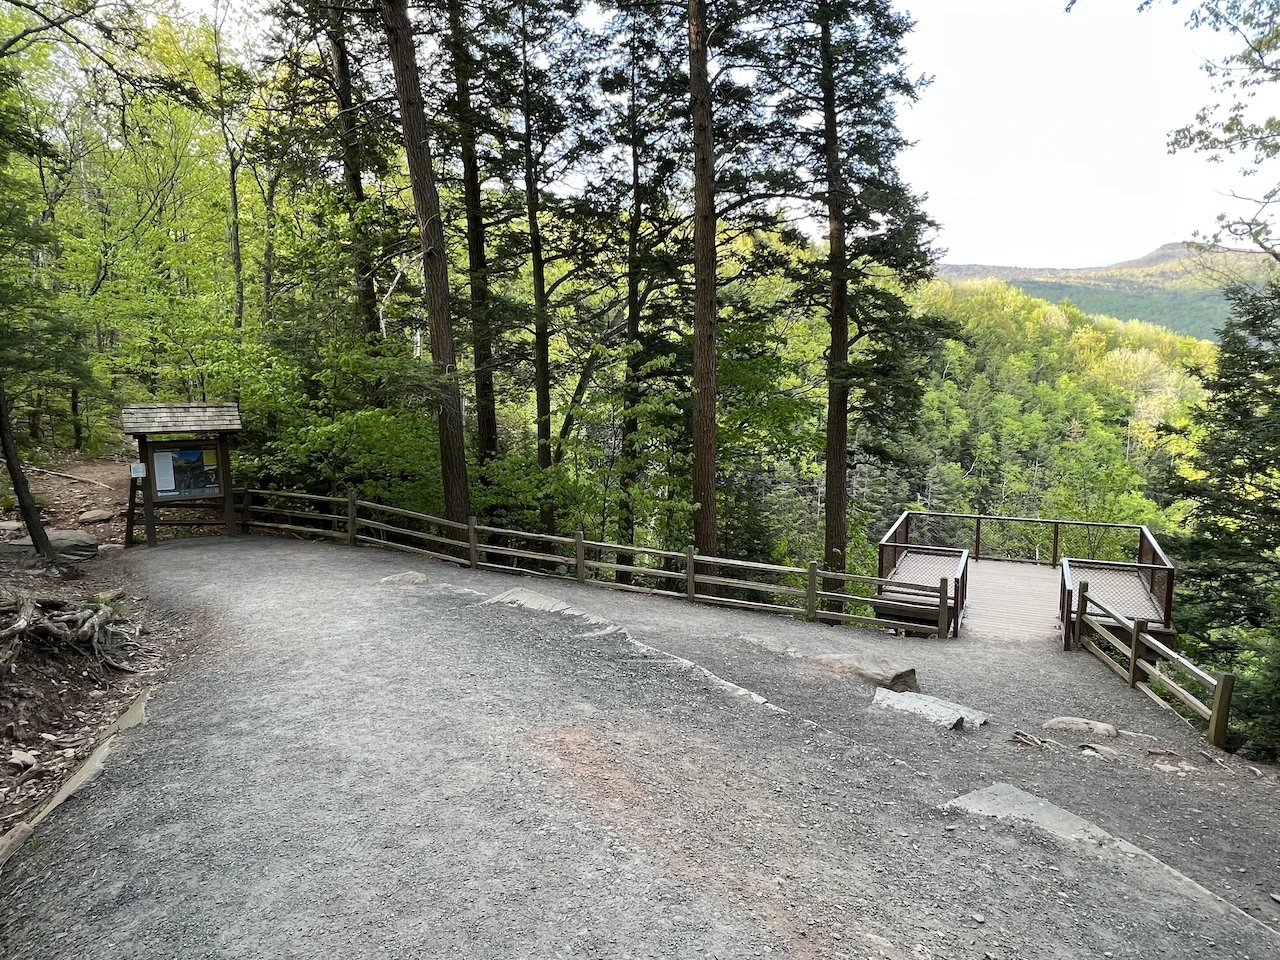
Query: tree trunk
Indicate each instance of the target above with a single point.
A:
(704, 286)
(269, 247)
(477, 255)
(435, 268)
(77, 427)
(541, 319)
(235, 156)
(26, 505)
(836, 537)
(237, 255)
(630, 478)
(352, 172)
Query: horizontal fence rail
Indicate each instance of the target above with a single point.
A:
(807, 592)
(1148, 663)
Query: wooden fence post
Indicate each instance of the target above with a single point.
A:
(943, 623)
(473, 543)
(977, 538)
(1082, 607)
(580, 556)
(1221, 712)
(690, 572)
(811, 599)
(1136, 649)
(351, 518)
(1056, 527)
(248, 505)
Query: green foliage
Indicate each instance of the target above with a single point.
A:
(1231, 558)
(1040, 410)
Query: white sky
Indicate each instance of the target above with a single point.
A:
(1042, 141)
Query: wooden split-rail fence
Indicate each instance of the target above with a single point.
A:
(1144, 661)
(809, 592)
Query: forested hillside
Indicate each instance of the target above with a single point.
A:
(554, 270)
(1176, 286)
(244, 229)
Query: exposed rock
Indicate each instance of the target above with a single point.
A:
(409, 576)
(22, 759)
(944, 713)
(10, 526)
(896, 678)
(1100, 749)
(1095, 728)
(95, 516)
(72, 546)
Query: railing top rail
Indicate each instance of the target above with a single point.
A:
(1170, 654)
(902, 518)
(999, 517)
(1155, 546)
(1092, 601)
(961, 562)
(1066, 574)
(411, 514)
(1086, 563)
(292, 495)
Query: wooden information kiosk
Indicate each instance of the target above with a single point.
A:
(184, 461)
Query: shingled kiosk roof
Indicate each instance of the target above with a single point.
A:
(161, 418)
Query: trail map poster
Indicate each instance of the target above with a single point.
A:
(186, 471)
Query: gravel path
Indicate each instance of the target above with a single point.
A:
(365, 770)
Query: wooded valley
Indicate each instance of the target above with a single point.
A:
(647, 271)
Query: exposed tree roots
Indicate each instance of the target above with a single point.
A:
(89, 627)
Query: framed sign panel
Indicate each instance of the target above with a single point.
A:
(185, 470)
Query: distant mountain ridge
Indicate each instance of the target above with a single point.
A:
(1177, 285)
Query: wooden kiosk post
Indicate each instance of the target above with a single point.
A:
(184, 461)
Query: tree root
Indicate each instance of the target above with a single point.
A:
(91, 628)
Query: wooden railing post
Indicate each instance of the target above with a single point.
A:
(1136, 649)
(473, 543)
(811, 598)
(1056, 529)
(1082, 607)
(580, 556)
(690, 572)
(351, 518)
(977, 539)
(1221, 712)
(943, 622)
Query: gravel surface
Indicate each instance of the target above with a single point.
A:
(355, 769)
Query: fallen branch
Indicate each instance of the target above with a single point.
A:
(68, 476)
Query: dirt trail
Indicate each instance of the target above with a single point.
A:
(373, 770)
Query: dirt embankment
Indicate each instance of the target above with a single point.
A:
(56, 702)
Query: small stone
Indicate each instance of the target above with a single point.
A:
(95, 516)
(980, 918)
(408, 577)
(22, 759)
(1276, 897)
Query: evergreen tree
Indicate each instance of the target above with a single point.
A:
(1231, 562)
(836, 67)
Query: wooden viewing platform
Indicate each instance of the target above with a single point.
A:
(1019, 577)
